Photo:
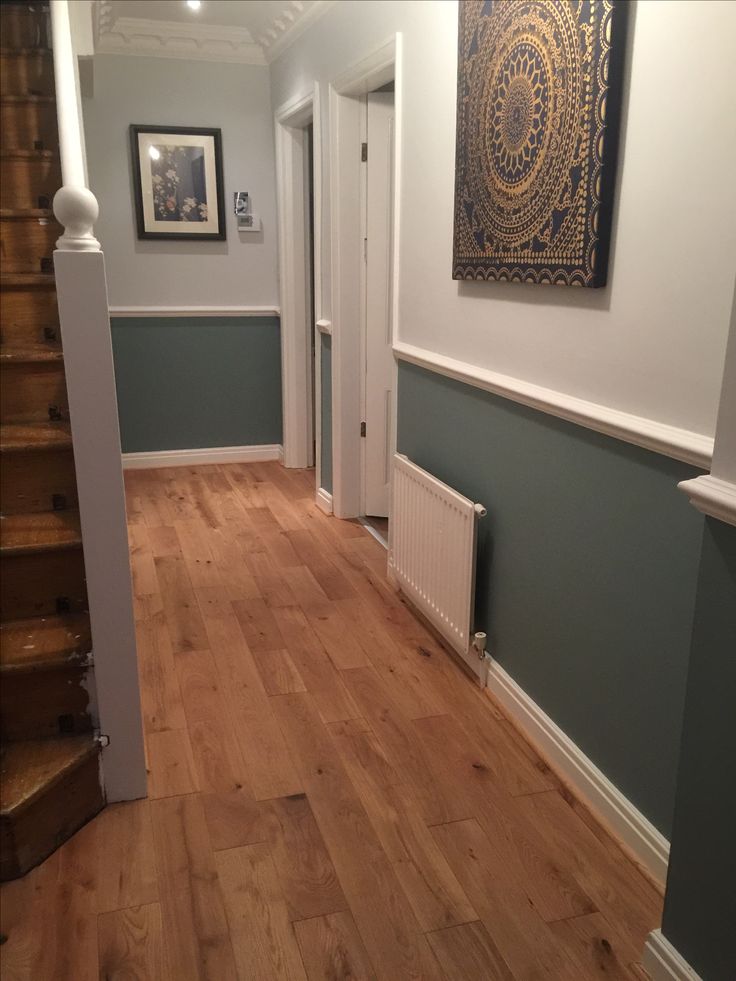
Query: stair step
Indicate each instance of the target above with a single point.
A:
(44, 643)
(43, 531)
(27, 100)
(50, 788)
(30, 353)
(20, 154)
(35, 437)
(24, 281)
(26, 213)
(33, 393)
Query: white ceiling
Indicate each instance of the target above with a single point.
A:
(249, 31)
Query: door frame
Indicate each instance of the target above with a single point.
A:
(379, 66)
(297, 365)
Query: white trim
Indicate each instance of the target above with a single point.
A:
(370, 72)
(681, 444)
(642, 839)
(664, 962)
(377, 535)
(712, 496)
(143, 311)
(202, 457)
(323, 500)
(290, 120)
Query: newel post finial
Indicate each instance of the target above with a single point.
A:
(75, 206)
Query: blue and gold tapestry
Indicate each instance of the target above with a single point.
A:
(539, 89)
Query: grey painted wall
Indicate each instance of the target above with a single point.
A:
(241, 271)
(326, 405)
(192, 382)
(587, 568)
(700, 905)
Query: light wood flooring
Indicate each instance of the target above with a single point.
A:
(330, 796)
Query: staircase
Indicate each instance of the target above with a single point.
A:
(50, 757)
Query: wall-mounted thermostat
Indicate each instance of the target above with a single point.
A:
(247, 221)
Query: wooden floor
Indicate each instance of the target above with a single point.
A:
(329, 795)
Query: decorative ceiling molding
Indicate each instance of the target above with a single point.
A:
(291, 23)
(192, 40)
(171, 39)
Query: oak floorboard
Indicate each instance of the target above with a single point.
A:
(595, 947)
(263, 939)
(332, 949)
(131, 944)
(126, 865)
(467, 953)
(171, 768)
(161, 700)
(381, 911)
(308, 879)
(523, 853)
(430, 884)
(184, 620)
(196, 937)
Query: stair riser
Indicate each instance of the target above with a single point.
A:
(30, 585)
(33, 392)
(44, 704)
(27, 74)
(24, 243)
(32, 835)
(30, 482)
(25, 125)
(29, 183)
(23, 28)
(26, 312)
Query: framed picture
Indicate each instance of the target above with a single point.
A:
(538, 105)
(177, 179)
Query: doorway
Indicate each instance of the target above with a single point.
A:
(377, 154)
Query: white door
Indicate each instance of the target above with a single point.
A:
(379, 364)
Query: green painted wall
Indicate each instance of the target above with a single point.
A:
(194, 382)
(700, 905)
(587, 568)
(326, 445)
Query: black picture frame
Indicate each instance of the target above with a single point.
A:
(146, 202)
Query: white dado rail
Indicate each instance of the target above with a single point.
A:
(83, 316)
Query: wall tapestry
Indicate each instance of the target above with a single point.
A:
(539, 92)
(177, 180)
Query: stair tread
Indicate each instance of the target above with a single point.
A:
(30, 351)
(40, 643)
(26, 213)
(33, 99)
(23, 52)
(35, 436)
(30, 768)
(26, 280)
(17, 153)
(39, 531)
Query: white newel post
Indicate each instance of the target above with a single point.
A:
(85, 329)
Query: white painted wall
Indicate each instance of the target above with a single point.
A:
(653, 342)
(241, 271)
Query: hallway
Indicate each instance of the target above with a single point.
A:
(329, 794)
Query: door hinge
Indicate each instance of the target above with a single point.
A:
(363, 152)
(362, 429)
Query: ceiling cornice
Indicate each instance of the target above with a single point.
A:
(202, 42)
(290, 24)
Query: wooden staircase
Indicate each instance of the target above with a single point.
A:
(50, 756)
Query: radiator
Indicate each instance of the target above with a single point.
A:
(432, 546)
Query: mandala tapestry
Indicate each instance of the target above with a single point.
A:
(539, 85)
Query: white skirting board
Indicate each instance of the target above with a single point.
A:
(201, 457)
(643, 840)
(324, 500)
(663, 962)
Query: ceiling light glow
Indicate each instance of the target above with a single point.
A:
(194, 4)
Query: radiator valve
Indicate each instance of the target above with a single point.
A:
(479, 645)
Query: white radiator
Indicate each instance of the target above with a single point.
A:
(432, 545)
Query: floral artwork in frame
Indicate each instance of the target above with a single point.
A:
(177, 180)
